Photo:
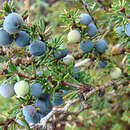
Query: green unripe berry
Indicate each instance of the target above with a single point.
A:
(68, 59)
(74, 36)
(21, 88)
(116, 73)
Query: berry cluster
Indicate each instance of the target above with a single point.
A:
(11, 30)
(42, 104)
(87, 45)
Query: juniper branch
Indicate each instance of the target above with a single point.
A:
(64, 110)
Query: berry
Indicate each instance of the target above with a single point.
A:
(115, 73)
(127, 29)
(85, 19)
(30, 114)
(37, 91)
(5, 38)
(92, 30)
(60, 52)
(22, 39)
(37, 48)
(74, 36)
(58, 100)
(7, 90)
(119, 30)
(68, 59)
(76, 72)
(13, 23)
(101, 45)
(102, 64)
(86, 46)
(21, 88)
(44, 106)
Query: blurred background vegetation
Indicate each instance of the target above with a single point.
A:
(50, 12)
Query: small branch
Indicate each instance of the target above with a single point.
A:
(105, 86)
(81, 87)
(77, 111)
(10, 52)
(6, 123)
(96, 114)
(25, 76)
(71, 84)
(64, 110)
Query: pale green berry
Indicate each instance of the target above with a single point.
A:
(74, 36)
(115, 73)
(68, 59)
(21, 88)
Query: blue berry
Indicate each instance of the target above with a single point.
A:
(102, 64)
(120, 29)
(76, 72)
(7, 90)
(37, 91)
(44, 106)
(5, 38)
(127, 29)
(58, 100)
(13, 23)
(60, 52)
(101, 45)
(86, 46)
(22, 39)
(37, 48)
(30, 114)
(85, 19)
(92, 30)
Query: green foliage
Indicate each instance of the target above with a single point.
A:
(62, 18)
